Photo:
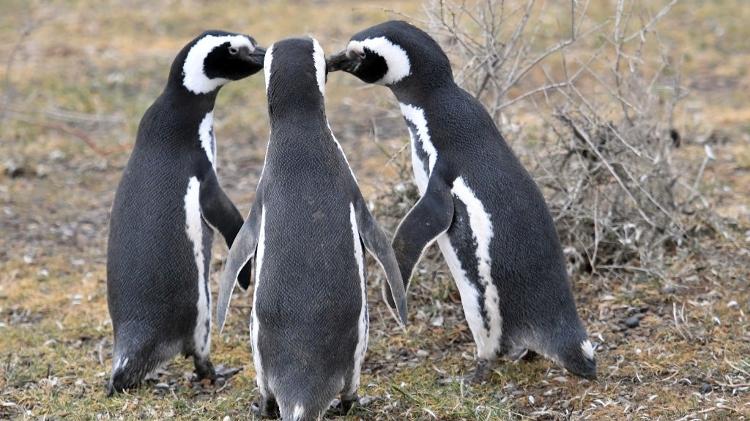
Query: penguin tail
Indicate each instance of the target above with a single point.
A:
(307, 403)
(123, 377)
(579, 359)
(131, 364)
(303, 410)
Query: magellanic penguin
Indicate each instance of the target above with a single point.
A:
(166, 207)
(480, 204)
(307, 230)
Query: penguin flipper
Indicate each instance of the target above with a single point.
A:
(377, 244)
(242, 250)
(431, 216)
(217, 208)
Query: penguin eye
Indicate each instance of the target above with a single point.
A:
(361, 54)
(233, 50)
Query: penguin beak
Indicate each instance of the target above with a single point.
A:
(255, 57)
(347, 61)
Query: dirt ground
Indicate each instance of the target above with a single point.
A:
(77, 76)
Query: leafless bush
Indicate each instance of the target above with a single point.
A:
(604, 93)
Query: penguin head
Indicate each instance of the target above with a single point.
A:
(393, 53)
(295, 72)
(215, 58)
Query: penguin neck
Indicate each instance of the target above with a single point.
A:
(296, 132)
(185, 103)
(303, 121)
(301, 112)
(179, 98)
(419, 92)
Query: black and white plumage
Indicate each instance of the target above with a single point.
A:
(307, 230)
(483, 208)
(166, 206)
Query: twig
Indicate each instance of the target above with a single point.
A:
(583, 136)
(663, 12)
(77, 133)
(26, 31)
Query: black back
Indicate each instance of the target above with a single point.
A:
(308, 299)
(528, 266)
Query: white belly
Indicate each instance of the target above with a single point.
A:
(487, 340)
(194, 229)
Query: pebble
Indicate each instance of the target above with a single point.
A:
(366, 400)
(705, 388)
(669, 289)
(632, 321)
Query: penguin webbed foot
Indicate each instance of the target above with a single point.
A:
(265, 408)
(204, 370)
(481, 374)
(225, 373)
(343, 406)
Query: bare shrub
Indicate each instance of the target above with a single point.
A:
(602, 94)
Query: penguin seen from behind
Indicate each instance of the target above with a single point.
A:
(307, 232)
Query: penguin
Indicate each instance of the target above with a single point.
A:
(478, 202)
(307, 231)
(166, 207)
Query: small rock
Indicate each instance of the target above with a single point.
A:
(437, 321)
(422, 353)
(706, 388)
(669, 289)
(632, 321)
(366, 400)
(14, 170)
(56, 155)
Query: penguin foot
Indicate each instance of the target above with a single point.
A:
(529, 355)
(265, 408)
(343, 406)
(204, 370)
(225, 373)
(481, 373)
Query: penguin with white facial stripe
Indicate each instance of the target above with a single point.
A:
(483, 208)
(166, 205)
(307, 230)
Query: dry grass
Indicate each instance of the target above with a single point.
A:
(78, 84)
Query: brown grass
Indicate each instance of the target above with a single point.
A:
(88, 71)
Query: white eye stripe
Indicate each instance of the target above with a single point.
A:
(356, 47)
(320, 65)
(241, 41)
(194, 77)
(267, 60)
(399, 65)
